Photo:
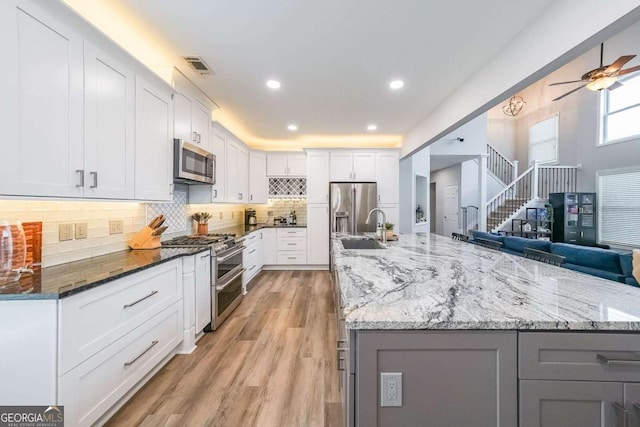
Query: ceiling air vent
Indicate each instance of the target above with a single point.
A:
(199, 66)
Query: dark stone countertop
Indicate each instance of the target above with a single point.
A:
(68, 279)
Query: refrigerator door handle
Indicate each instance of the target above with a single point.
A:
(353, 211)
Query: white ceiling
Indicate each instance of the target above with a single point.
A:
(334, 58)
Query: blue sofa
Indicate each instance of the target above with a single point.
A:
(626, 262)
(604, 263)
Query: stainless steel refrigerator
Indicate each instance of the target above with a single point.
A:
(350, 204)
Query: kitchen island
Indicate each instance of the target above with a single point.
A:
(482, 337)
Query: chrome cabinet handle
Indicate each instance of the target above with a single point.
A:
(204, 256)
(195, 136)
(251, 197)
(81, 172)
(95, 179)
(140, 300)
(606, 361)
(378, 197)
(252, 237)
(252, 251)
(291, 244)
(171, 189)
(623, 414)
(252, 267)
(215, 194)
(292, 257)
(131, 362)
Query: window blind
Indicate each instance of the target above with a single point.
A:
(543, 141)
(619, 207)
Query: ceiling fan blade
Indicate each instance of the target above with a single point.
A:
(619, 63)
(564, 83)
(615, 86)
(628, 70)
(570, 92)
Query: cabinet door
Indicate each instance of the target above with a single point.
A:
(632, 403)
(364, 166)
(201, 119)
(276, 164)
(42, 113)
(393, 214)
(297, 165)
(341, 166)
(219, 149)
(318, 234)
(569, 403)
(154, 140)
(269, 253)
(388, 177)
(182, 117)
(258, 181)
(318, 177)
(243, 174)
(203, 290)
(109, 126)
(233, 189)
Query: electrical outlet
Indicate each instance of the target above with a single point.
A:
(81, 230)
(116, 227)
(391, 389)
(65, 232)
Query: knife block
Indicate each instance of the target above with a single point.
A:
(144, 240)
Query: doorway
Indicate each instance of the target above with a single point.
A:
(432, 207)
(451, 209)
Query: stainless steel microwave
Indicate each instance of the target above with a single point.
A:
(192, 164)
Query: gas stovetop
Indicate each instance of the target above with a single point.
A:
(219, 242)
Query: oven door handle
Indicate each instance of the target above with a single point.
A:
(228, 282)
(231, 255)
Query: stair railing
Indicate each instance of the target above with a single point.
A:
(504, 169)
(556, 179)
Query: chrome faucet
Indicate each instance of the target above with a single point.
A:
(384, 221)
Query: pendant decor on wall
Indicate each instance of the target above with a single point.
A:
(514, 106)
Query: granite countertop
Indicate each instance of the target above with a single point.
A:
(426, 281)
(243, 230)
(68, 279)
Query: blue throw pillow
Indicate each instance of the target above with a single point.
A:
(626, 262)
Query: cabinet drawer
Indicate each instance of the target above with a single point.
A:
(579, 356)
(251, 238)
(292, 244)
(90, 389)
(292, 257)
(288, 232)
(92, 320)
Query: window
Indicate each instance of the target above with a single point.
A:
(620, 112)
(619, 207)
(543, 141)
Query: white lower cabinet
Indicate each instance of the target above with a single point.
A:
(252, 257)
(291, 246)
(318, 234)
(203, 291)
(269, 254)
(92, 388)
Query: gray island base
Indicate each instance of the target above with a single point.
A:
(482, 338)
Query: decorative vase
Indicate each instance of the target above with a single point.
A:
(203, 228)
(389, 234)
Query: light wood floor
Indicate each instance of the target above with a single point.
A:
(272, 363)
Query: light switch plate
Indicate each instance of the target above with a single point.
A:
(116, 227)
(81, 230)
(65, 232)
(390, 389)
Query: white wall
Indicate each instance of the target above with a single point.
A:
(418, 163)
(560, 33)
(501, 131)
(475, 135)
(579, 114)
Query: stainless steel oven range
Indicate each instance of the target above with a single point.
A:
(226, 271)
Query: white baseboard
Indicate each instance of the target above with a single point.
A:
(295, 267)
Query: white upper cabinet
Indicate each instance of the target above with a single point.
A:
(219, 149)
(317, 177)
(154, 141)
(42, 110)
(258, 181)
(243, 173)
(237, 172)
(286, 164)
(353, 166)
(109, 126)
(388, 176)
(192, 116)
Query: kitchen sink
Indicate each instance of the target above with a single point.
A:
(361, 244)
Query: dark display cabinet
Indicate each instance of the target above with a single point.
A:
(574, 217)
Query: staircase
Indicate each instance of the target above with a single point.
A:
(500, 167)
(536, 183)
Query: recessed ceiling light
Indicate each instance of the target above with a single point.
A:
(273, 84)
(292, 128)
(396, 84)
(371, 128)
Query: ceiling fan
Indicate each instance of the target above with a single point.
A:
(603, 77)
